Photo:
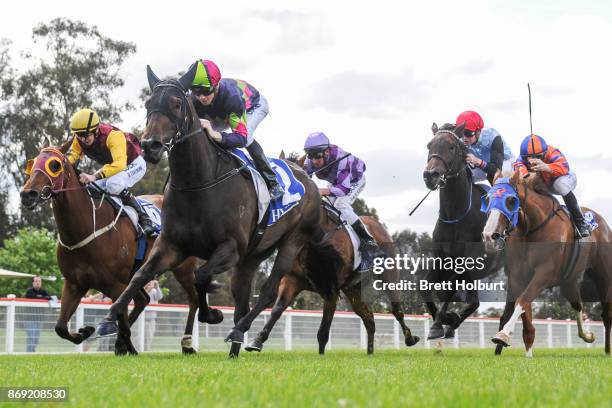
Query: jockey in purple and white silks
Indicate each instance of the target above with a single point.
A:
(345, 174)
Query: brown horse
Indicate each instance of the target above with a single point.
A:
(543, 253)
(323, 273)
(102, 260)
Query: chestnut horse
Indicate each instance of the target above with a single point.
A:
(96, 250)
(328, 277)
(542, 252)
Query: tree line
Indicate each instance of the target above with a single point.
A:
(72, 65)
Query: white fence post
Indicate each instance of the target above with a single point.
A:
(362, 336)
(288, 331)
(569, 333)
(426, 331)
(10, 326)
(195, 336)
(481, 336)
(80, 321)
(141, 331)
(396, 334)
(549, 329)
(456, 339)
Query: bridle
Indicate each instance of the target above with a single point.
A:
(181, 123)
(507, 232)
(446, 176)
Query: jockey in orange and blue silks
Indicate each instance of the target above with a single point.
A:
(230, 110)
(117, 151)
(489, 153)
(538, 156)
(345, 174)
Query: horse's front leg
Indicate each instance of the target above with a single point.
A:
(163, 258)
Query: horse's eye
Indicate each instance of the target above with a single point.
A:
(55, 166)
(511, 203)
(452, 148)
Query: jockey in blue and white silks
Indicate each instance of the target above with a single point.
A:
(488, 150)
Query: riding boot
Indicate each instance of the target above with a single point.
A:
(262, 165)
(127, 198)
(367, 246)
(572, 205)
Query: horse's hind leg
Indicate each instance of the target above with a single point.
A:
(123, 344)
(528, 331)
(71, 297)
(289, 288)
(392, 275)
(606, 315)
(361, 309)
(571, 292)
(186, 278)
(329, 308)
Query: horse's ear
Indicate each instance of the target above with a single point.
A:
(44, 143)
(282, 155)
(152, 78)
(434, 128)
(459, 130)
(301, 160)
(66, 145)
(187, 78)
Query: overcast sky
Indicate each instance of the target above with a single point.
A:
(374, 75)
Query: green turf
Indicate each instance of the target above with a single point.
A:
(464, 378)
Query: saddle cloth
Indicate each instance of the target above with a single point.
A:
(153, 212)
(293, 188)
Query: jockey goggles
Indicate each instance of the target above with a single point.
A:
(201, 90)
(320, 154)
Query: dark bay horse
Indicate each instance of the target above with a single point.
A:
(102, 260)
(542, 252)
(211, 211)
(458, 231)
(329, 275)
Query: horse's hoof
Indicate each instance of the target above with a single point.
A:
(435, 333)
(86, 331)
(589, 337)
(210, 316)
(235, 350)
(189, 350)
(120, 349)
(498, 349)
(235, 336)
(449, 332)
(255, 345)
(501, 339)
(411, 340)
(106, 328)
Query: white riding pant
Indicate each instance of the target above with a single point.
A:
(564, 184)
(344, 203)
(116, 183)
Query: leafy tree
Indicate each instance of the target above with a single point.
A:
(77, 67)
(30, 251)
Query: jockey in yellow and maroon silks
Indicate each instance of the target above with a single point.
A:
(117, 151)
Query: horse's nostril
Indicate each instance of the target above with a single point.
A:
(495, 236)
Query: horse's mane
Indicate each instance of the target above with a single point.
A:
(537, 184)
(293, 157)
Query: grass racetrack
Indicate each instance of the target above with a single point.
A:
(465, 378)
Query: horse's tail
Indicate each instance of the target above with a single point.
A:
(323, 262)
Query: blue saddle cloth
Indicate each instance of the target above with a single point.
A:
(293, 188)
